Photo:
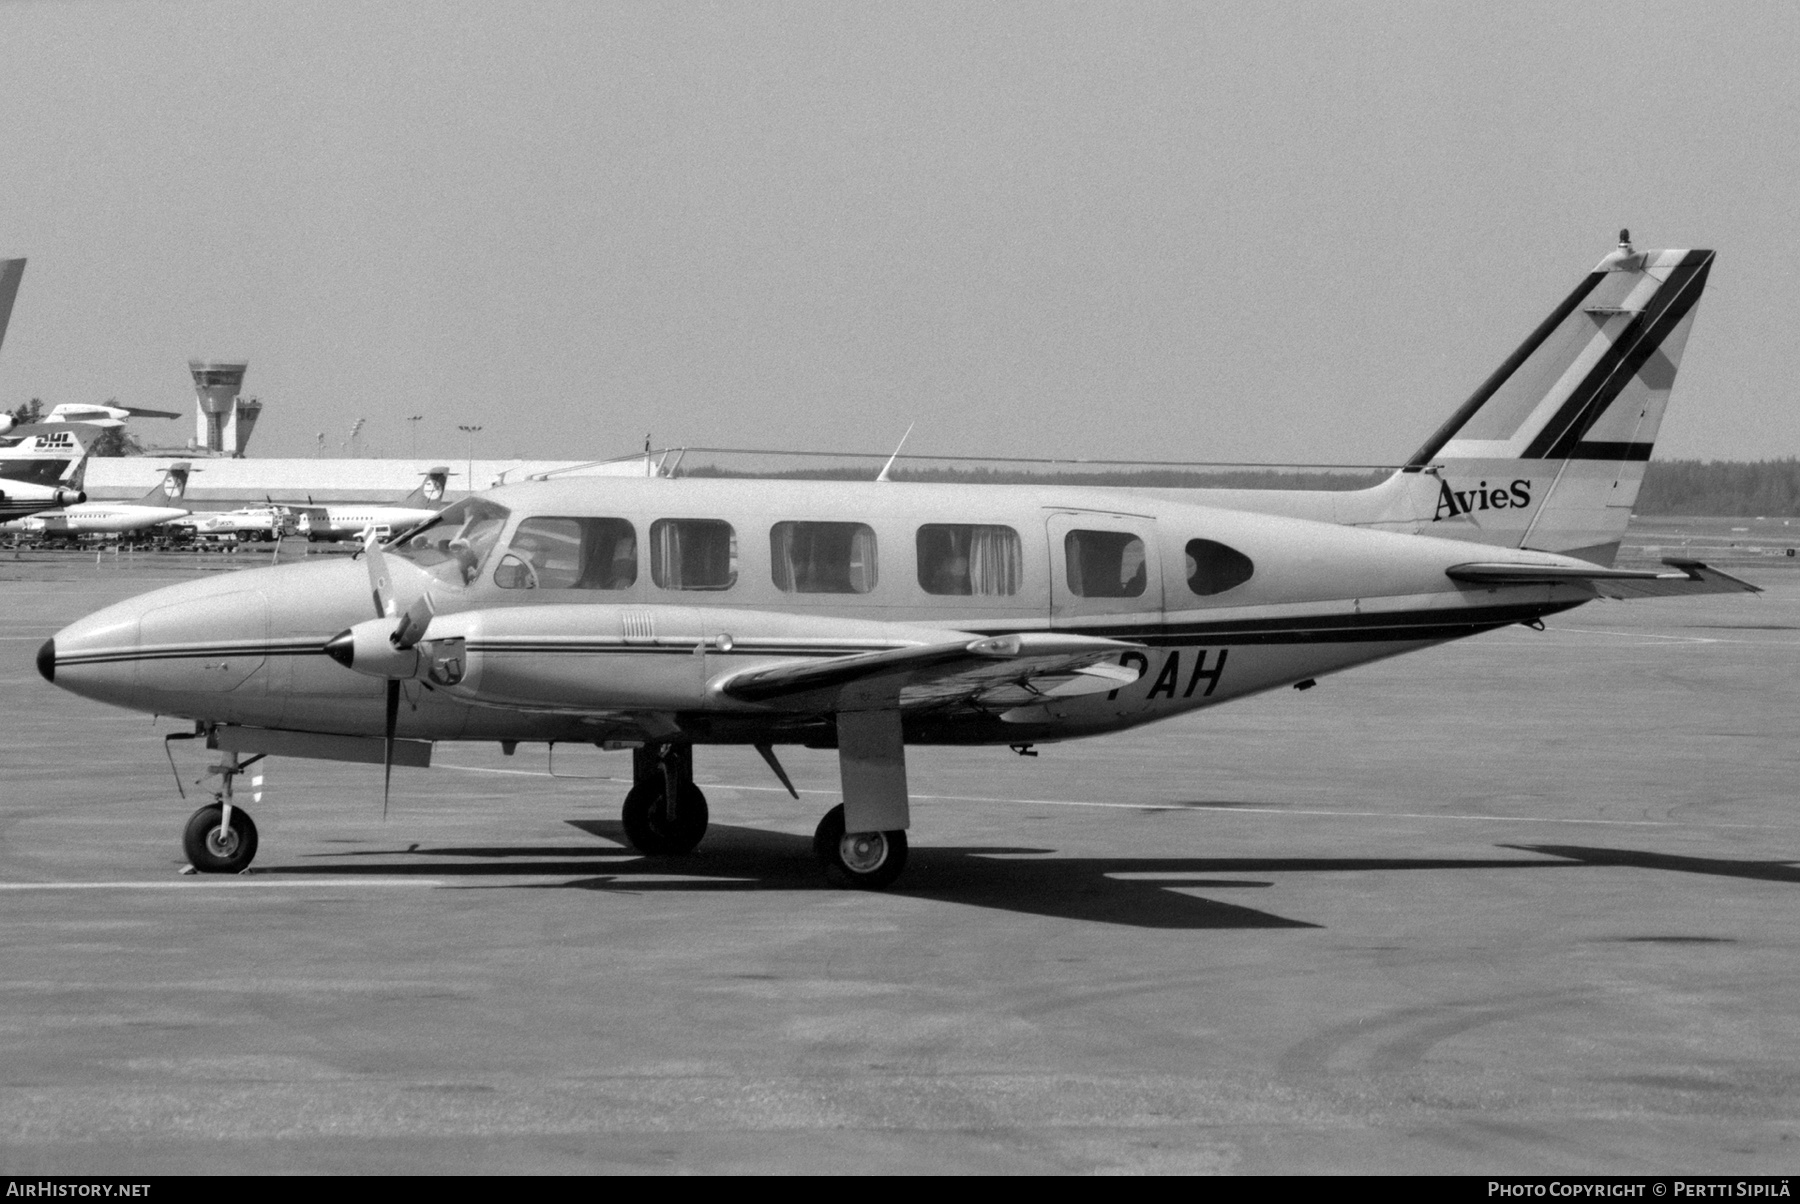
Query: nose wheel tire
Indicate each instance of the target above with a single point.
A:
(858, 860)
(650, 829)
(212, 852)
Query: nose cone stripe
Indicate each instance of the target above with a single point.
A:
(46, 660)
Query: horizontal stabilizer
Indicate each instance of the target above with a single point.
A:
(1693, 578)
(934, 674)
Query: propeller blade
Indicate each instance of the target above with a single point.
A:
(381, 584)
(413, 623)
(387, 746)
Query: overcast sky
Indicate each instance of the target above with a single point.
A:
(1272, 232)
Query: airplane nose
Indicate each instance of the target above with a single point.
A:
(172, 650)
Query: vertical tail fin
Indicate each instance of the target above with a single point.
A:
(1550, 451)
(173, 486)
(11, 272)
(430, 491)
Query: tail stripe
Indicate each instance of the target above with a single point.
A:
(1492, 384)
(1597, 450)
(1561, 436)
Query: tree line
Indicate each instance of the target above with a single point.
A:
(1725, 488)
(1720, 488)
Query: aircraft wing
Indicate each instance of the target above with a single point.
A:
(1693, 577)
(1006, 670)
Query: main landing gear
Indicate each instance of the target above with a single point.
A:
(861, 842)
(858, 860)
(665, 813)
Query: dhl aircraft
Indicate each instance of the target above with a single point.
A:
(39, 470)
(667, 614)
(160, 505)
(332, 523)
(105, 417)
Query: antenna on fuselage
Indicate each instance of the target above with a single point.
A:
(883, 475)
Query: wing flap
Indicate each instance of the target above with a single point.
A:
(937, 674)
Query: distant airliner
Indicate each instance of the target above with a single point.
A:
(115, 518)
(668, 614)
(331, 523)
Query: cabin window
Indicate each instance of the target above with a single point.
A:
(1213, 568)
(460, 536)
(822, 558)
(969, 559)
(570, 553)
(1104, 564)
(693, 553)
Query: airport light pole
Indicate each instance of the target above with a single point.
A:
(471, 432)
(412, 424)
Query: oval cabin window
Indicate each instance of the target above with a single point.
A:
(1213, 568)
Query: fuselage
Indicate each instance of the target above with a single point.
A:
(349, 522)
(675, 582)
(100, 518)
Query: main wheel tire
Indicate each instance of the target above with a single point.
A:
(211, 854)
(858, 860)
(647, 826)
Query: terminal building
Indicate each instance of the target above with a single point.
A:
(226, 484)
(223, 478)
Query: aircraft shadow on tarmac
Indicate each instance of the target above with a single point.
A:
(1142, 892)
(1764, 871)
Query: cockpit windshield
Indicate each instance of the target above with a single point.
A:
(453, 545)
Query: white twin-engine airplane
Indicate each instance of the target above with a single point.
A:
(662, 614)
(333, 523)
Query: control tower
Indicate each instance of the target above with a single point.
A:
(223, 419)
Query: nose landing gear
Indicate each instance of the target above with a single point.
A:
(220, 838)
(219, 844)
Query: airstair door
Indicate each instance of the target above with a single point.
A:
(1105, 574)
